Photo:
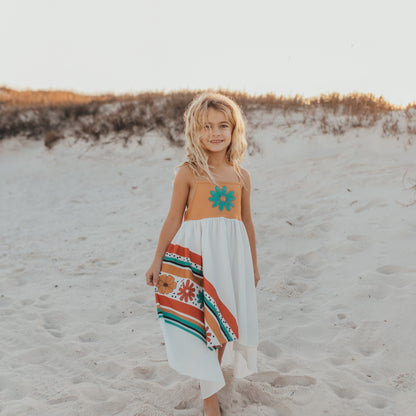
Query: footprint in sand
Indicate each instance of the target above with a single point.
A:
(310, 259)
(378, 402)
(404, 382)
(88, 337)
(286, 366)
(142, 299)
(269, 348)
(144, 373)
(268, 388)
(53, 322)
(257, 393)
(303, 269)
(109, 369)
(137, 299)
(344, 323)
(63, 399)
(290, 289)
(355, 243)
(115, 318)
(324, 227)
(392, 269)
(344, 392)
(264, 376)
(395, 275)
(368, 338)
(357, 237)
(26, 302)
(278, 380)
(284, 381)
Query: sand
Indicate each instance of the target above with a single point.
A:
(337, 256)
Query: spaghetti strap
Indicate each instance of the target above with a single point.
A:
(197, 180)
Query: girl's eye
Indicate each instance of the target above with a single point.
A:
(224, 126)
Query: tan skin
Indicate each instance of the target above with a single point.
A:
(215, 141)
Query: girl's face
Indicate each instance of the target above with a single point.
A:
(217, 131)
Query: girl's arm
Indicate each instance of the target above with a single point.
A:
(172, 223)
(248, 222)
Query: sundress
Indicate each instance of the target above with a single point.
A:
(206, 296)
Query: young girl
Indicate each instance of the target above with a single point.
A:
(205, 268)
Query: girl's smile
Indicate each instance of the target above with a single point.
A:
(217, 131)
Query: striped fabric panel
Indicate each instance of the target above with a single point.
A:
(216, 338)
(225, 326)
(195, 314)
(182, 262)
(209, 320)
(184, 271)
(182, 315)
(185, 252)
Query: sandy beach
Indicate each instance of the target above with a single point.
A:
(336, 233)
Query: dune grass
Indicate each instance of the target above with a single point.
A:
(53, 115)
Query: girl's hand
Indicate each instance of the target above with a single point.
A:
(152, 275)
(256, 278)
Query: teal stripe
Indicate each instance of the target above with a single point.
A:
(183, 263)
(196, 327)
(229, 337)
(186, 329)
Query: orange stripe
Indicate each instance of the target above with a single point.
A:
(182, 316)
(185, 252)
(180, 272)
(213, 324)
(225, 312)
(181, 307)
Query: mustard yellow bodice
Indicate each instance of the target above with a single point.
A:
(211, 201)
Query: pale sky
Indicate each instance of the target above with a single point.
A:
(285, 47)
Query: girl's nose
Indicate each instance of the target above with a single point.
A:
(215, 131)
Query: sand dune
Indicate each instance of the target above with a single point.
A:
(336, 245)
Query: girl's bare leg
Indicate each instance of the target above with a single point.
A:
(221, 352)
(211, 405)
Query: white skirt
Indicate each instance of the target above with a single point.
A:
(206, 298)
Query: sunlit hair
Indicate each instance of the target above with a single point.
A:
(195, 119)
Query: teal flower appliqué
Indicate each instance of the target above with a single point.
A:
(200, 297)
(221, 198)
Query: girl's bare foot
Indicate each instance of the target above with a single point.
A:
(211, 406)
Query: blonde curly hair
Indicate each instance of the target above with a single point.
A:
(195, 118)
